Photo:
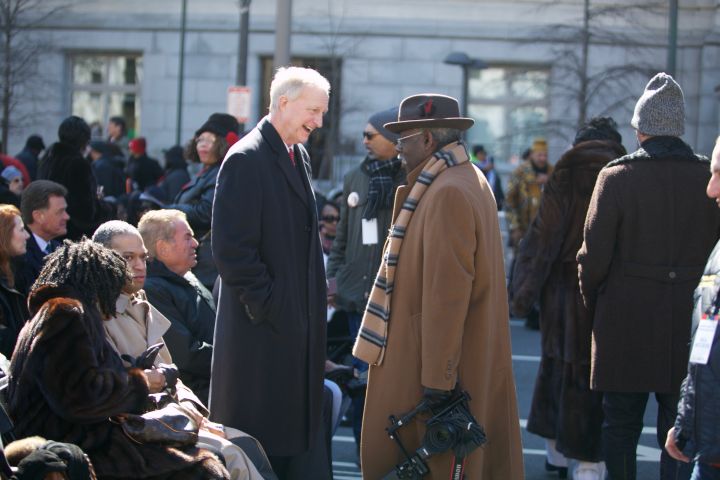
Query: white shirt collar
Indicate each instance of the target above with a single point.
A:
(41, 243)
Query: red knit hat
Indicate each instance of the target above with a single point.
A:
(137, 145)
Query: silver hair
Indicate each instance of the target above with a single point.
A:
(157, 225)
(107, 231)
(445, 136)
(289, 81)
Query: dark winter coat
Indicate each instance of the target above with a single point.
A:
(109, 175)
(13, 315)
(27, 267)
(191, 311)
(196, 200)
(563, 408)
(353, 264)
(64, 165)
(649, 229)
(144, 172)
(30, 160)
(696, 426)
(65, 382)
(268, 366)
(174, 180)
(7, 196)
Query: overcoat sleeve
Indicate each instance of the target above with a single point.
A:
(600, 234)
(449, 245)
(538, 250)
(237, 234)
(75, 381)
(199, 211)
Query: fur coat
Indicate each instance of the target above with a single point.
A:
(65, 382)
(563, 408)
(65, 165)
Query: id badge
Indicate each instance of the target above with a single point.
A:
(702, 343)
(369, 231)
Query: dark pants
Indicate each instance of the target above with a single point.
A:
(703, 471)
(358, 402)
(622, 428)
(316, 462)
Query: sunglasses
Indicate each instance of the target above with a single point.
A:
(330, 218)
(369, 135)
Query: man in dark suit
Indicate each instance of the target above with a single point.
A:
(44, 211)
(268, 363)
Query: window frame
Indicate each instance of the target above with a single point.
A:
(106, 89)
(502, 147)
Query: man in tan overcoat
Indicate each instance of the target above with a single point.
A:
(445, 302)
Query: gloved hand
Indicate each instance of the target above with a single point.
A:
(146, 359)
(435, 398)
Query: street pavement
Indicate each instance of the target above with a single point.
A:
(526, 358)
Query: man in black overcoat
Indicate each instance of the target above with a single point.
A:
(268, 363)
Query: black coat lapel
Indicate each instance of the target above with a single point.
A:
(282, 159)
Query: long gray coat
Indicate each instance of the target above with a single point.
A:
(268, 363)
(649, 230)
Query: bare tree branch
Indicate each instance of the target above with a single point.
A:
(21, 49)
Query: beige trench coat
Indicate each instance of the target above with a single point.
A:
(449, 321)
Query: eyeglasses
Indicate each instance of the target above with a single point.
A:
(206, 140)
(401, 140)
(369, 135)
(330, 218)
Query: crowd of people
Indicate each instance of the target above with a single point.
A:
(159, 325)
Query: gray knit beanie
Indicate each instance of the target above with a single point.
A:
(661, 108)
(379, 119)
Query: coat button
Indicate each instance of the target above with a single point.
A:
(672, 275)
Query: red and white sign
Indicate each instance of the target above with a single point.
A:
(238, 103)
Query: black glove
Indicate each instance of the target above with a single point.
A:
(38, 464)
(171, 374)
(146, 359)
(435, 398)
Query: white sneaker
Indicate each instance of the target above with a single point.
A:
(589, 471)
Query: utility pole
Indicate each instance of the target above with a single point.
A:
(283, 18)
(241, 77)
(583, 92)
(672, 37)
(181, 72)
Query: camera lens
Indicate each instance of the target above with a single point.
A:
(440, 437)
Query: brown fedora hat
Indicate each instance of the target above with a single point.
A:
(429, 110)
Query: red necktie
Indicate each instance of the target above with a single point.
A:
(291, 152)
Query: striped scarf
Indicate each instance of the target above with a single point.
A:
(380, 191)
(372, 338)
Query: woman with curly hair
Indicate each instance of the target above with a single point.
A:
(13, 312)
(208, 147)
(66, 381)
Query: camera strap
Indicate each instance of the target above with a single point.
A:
(458, 468)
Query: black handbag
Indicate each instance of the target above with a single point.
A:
(170, 425)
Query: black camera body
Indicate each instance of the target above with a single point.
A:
(450, 427)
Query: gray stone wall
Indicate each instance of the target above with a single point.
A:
(389, 50)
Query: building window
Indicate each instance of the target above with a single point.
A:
(323, 143)
(105, 86)
(510, 108)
